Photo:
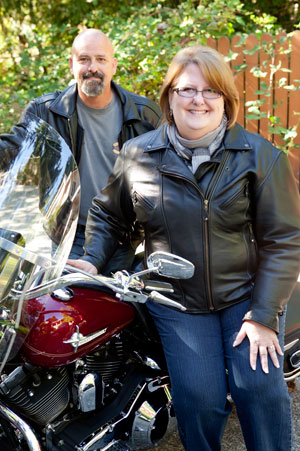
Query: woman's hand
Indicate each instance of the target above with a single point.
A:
(84, 265)
(263, 341)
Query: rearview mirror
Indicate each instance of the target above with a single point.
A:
(169, 265)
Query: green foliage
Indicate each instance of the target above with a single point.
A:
(36, 36)
(286, 13)
(271, 79)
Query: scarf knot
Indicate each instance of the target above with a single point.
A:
(199, 150)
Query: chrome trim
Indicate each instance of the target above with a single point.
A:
(290, 345)
(292, 375)
(297, 355)
(77, 339)
(8, 345)
(25, 254)
(24, 428)
(87, 393)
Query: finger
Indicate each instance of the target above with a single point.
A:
(263, 354)
(273, 355)
(240, 337)
(278, 348)
(253, 355)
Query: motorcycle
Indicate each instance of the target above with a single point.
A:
(81, 364)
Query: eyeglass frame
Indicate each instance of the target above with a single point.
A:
(196, 91)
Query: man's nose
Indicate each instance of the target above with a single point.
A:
(93, 65)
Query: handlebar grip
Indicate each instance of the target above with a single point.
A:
(161, 299)
(150, 285)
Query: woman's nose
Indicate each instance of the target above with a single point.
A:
(198, 97)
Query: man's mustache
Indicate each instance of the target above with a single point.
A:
(88, 75)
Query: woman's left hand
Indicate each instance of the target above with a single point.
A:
(263, 342)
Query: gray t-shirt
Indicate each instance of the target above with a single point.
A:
(99, 149)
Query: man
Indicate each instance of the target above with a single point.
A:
(95, 116)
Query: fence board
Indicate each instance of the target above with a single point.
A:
(294, 104)
(239, 76)
(281, 95)
(251, 84)
(269, 52)
(266, 58)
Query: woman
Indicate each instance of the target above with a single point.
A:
(204, 188)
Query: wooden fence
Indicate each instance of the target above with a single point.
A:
(267, 67)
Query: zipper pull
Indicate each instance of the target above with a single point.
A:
(205, 209)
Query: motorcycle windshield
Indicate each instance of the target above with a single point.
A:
(39, 204)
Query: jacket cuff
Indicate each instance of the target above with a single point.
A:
(93, 261)
(259, 317)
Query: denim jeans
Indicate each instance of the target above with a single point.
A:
(121, 259)
(204, 367)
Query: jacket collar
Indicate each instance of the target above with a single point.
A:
(65, 102)
(236, 139)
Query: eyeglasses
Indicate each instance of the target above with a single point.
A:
(208, 93)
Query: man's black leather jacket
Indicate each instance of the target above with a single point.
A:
(237, 219)
(140, 115)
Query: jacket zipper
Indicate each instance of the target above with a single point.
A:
(206, 200)
(208, 196)
(71, 136)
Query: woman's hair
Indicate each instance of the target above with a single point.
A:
(214, 69)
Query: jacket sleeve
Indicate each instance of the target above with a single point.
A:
(277, 231)
(10, 142)
(110, 219)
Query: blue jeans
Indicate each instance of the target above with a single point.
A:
(198, 350)
(121, 259)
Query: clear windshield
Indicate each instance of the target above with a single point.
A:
(39, 203)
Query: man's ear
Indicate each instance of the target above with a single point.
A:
(71, 64)
(115, 64)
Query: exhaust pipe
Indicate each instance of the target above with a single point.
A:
(21, 426)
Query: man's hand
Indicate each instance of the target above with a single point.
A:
(263, 342)
(84, 265)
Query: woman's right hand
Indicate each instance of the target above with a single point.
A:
(84, 265)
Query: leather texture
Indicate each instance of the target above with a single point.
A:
(237, 219)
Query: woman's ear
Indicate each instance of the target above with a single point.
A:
(170, 96)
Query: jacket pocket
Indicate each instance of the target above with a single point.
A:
(138, 199)
(252, 246)
(243, 192)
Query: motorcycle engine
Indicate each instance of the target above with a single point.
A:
(37, 393)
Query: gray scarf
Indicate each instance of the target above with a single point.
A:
(199, 150)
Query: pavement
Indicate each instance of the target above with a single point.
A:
(233, 438)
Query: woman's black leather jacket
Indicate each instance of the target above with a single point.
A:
(237, 219)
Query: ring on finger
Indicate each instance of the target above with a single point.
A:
(272, 347)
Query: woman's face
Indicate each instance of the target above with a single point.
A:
(196, 116)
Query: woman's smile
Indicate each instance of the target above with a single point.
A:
(195, 116)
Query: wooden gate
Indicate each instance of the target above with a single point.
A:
(267, 73)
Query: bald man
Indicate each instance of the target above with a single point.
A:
(95, 116)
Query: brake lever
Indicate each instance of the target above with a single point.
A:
(161, 299)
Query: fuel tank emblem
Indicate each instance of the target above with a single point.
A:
(78, 339)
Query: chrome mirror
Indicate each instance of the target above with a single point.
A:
(169, 265)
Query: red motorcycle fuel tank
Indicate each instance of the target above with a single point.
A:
(65, 331)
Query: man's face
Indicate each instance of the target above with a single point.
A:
(93, 64)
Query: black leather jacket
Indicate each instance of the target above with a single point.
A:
(238, 220)
(140, 115)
